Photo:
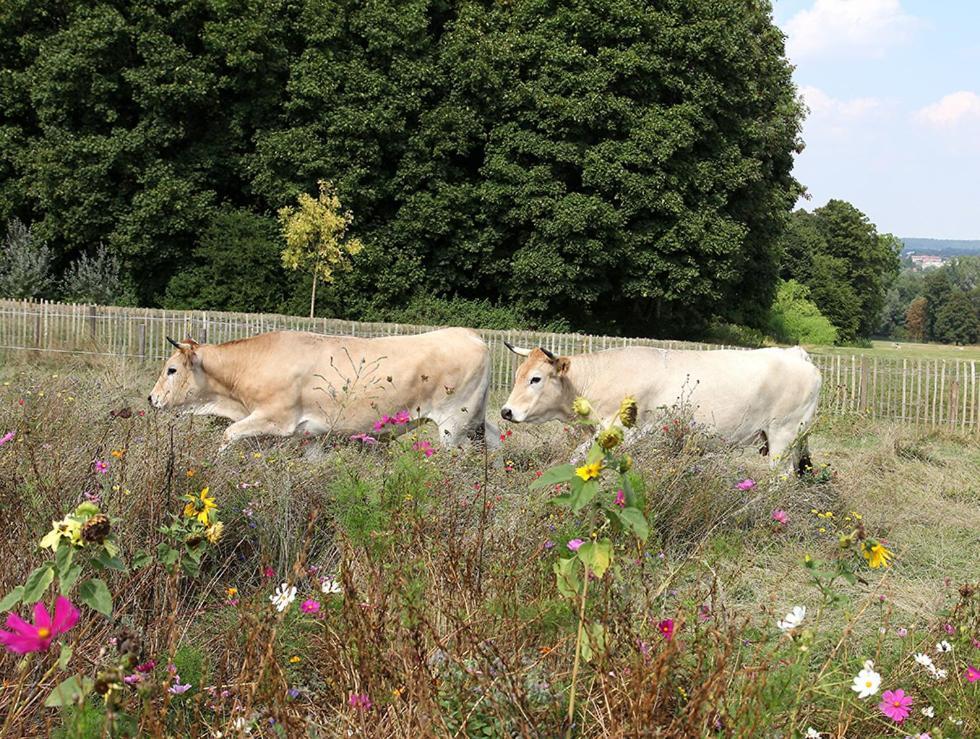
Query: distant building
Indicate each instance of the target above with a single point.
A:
(927, 261)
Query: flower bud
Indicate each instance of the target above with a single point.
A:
(628, 412)
(610, 438)
(582, 407)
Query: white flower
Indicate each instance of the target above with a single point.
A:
(792, 619)
(929, 712)
(867, 681)
(938, 674)
(284, 595)
(812, 733)
(944, 646)
(330, 586)
(925, 660)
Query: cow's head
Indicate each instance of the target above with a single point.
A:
(542, 391)
(182, 378)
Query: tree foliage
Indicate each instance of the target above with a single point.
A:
(915, 318)
(795, 319)
(623, 166)
(25, 264)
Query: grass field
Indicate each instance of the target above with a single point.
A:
(427, 603)
(904, 350)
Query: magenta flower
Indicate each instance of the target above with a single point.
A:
(401, 418)
(26, 637)
(902, 632)
(950, 629)
(548, 544)
(310, 606)
(146, 666)
(268, 571)
(425, 447)
(747, 484)
(365, 439)
(780, 516)
(620, 499)
(574, 544)
(134, 679)
(100, 466)
(895, 705)
(6, 437)
(972, 674)
(360, 701)
(666, 628)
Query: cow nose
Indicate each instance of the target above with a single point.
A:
(507, 413)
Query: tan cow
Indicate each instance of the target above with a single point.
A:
(291, 382)
(765, 396)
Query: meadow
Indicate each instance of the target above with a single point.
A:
(392, 588)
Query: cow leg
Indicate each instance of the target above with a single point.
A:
(251, 425)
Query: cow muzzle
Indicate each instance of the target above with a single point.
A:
(508, 414)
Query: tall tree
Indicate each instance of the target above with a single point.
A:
(958, 320)
(916, 318)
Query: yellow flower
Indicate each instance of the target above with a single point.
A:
(69, 527)
(589, 471)
(214, 532)
(294, 659)
(117, 453)
(582, 407)
(199, 508)
(877, 555)
(231, 592)
(627, 412)
(191, 472)
(257, 455)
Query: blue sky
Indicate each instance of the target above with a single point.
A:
(894, 92)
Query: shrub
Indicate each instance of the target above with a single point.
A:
(25, 265)
(795, 319)
(96, 279)
(429, 310)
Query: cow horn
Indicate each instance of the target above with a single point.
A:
(175, 343)
(548, 354)
(520, 352)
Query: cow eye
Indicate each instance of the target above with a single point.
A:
(535, 379)
(171, 370)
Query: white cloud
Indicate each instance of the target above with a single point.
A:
(864, 28)
(952, 110)
(822, 105)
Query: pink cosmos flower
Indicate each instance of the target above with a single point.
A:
(747, 484)
(425, 447)
(895, 705)
(620, 499)
(178, 688)
(26, 637)
(574, 544)
(6, 437)
(365, 439)
(268, 571)
(902, 632)
(100, 466)
(382, 422)
(401, 418)
(666, 628)
(310, 606)
(146, 666)
(972, 674)
(360, 701)
(134, 679)
(780, 516)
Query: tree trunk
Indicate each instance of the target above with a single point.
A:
(313, 295)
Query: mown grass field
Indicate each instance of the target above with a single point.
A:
(904, 350)
(443, 617)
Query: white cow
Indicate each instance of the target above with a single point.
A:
(292, 382)
(764, 396)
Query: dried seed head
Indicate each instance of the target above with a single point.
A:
(96, 529)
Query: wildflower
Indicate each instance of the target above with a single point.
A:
(295, 659)
(812, 733)
(780, 516)
(214, 531)
(895, 705)
(506, 435)
(704, 612)
(943, 647)
(902, 632)
(401, 418)
(876, 554)
(792, 619)
(200, 507)
(100, 466)
(293, 693)
(972, 674)
(574, 544)
(549, 544)
(364, 439)
(7, 437)
(424, 447)
(610, 438)
(929, 712)
(361, 702)
(268, 571)
(310, 606)
(867, 681)
(949, 629)
(381, 422)
(747, 484)
(285, 594)
(191, 472)
(620, 499)
(330, 586)
(589, 471)
(666, 628)
(582, 407)
(134, 679)
(177, 688)
(25, 637)
(69, 527)
(118, 453)
(628, 412)
(96, 529)
(146, 666)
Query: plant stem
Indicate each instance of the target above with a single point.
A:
(578, 652)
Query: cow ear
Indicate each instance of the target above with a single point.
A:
(189, 343)
(562, 364)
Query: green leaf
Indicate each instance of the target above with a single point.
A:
(634, 520)
(191, 567)
(594, 641)
(141, 559)
(70, 691)
(64, 656)
(67, 581)
(86, 510)
(111, 548)
(105, 561)
(12, 598)
(626, 484)
(95, 594)
(37, 584)
(595, 454)
(63, 558)
(554, 476)
(596, 555)
(584, 495)
(566, 576)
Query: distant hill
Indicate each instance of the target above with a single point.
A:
(946, 247)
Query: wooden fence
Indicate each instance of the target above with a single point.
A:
(916, 391)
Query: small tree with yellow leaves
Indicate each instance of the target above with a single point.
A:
(316, 236)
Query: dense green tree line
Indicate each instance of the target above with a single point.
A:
(621, 166)
(939, 304)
